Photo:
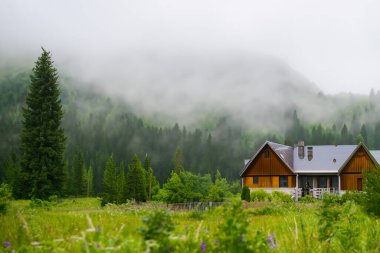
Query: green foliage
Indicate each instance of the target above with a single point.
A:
(121, 186)
(136, 181)
(282, 197)
(358, 197)
(152, 185)
(110, 182)
(157, 226)
(372, 188)
(307, 199)
(78, 174)
(246, 194)
(42, 137)
(260, 195)
(5, 197)
(340, 227)
(233, 234)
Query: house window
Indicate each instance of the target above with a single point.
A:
(322, 182)
(266, 153)
(335, 181)
(283, 181)
(255, 180)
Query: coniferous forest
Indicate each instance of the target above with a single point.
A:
(98, 127)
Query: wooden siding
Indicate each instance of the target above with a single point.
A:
(359, 162)
(271, 165)
(268, 182)
(268, 169)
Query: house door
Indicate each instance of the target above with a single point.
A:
(359, 182)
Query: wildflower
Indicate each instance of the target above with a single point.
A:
(272, 241)
(207, 231)
(203, 246)
(216, 241)
(7, 244)
(97, 246)
(98, 229)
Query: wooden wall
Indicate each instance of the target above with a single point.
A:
(268, 169)
(268, 182)
(359, 162)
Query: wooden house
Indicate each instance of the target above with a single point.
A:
(315, 169)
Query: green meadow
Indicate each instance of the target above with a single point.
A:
(82, 225)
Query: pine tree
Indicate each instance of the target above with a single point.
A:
(178, 161)
(110, 182)
(84, 180)
(121, 185)
(151, 181)
(136, 181)
(90, 181)
(42, 137)
(77, 171)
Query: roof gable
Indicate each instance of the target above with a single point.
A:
(282, 151)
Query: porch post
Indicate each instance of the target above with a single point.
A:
(297, 187)
(339, 184)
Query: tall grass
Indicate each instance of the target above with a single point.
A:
(81, 225)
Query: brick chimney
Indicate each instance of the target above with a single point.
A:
(301, 149)
(309, 153)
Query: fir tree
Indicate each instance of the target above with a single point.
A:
(121, 185)
(78, 169)
(136, 181)
(110, 182)
(84, 181)
(151, 181)
(42, 137)
(90, 181)
(178, 161)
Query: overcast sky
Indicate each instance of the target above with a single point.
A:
(335, 44)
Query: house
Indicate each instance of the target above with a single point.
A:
(309, 169)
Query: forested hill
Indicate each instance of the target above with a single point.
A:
(98, 125)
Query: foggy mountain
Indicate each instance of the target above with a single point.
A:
(254, 91)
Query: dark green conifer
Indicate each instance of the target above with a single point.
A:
(42, 137)
(136, 181)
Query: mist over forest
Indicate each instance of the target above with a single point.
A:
(208, 80)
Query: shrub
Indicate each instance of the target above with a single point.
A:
(282, 197)
(260, 195)
(372, 188)
(157, 226)
(245, 194)
(331, 199)
(39, 203)
(5, 197)
(356, 196)
(233, 236)
(308, 199)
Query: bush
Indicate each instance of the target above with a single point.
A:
(5, 197)
(39, 203)
(308, 199)
(245, 194)
(356, 196)
(157, 226)
(260, 195)
(233, 235)
(331, 199)
(372, 188)
(282, 197)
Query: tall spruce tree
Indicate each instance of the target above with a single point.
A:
(136, 181)
(42, 137)
(110, 182)
(78, 169)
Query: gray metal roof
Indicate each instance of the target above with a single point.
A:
(284, 152)
(376, 155)
(326, 158)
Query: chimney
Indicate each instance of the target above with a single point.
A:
(309, 153)
(301, 149)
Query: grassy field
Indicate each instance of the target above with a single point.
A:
(81, 225)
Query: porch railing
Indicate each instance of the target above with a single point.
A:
(315, 192)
